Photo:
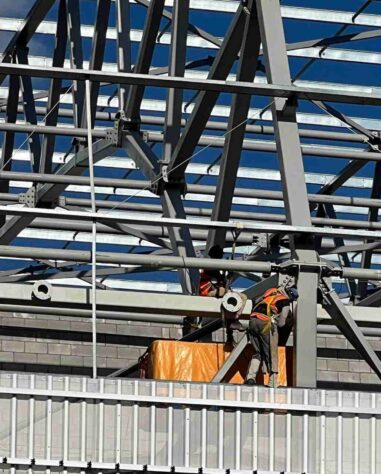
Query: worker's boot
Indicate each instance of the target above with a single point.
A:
(273, 382)
(252, 372)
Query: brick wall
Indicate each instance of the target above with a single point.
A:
(63, 346)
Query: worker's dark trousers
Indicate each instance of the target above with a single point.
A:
(265, 347)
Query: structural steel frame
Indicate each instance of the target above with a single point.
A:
(71, 174)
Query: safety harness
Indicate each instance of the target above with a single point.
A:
(266, 309)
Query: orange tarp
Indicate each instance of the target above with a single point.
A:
(199, 362)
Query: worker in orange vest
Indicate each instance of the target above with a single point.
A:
(270, 315)
(213, 282)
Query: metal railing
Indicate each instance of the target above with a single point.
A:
(79, 424)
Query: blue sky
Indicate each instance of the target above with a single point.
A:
(216, 23)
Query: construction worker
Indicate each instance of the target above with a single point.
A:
(272, 313)
(213, 282)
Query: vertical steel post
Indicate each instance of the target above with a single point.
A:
(123, 44)
(294, 188)
(176, 68)
(93, 230)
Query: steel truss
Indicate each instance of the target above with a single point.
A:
(210, 85)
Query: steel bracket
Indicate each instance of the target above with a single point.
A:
(294, 267)
(164, 181)
(29, 198)
(262, 240)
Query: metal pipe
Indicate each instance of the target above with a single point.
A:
(93, 228)
(330, 329)
(244, 237)
(152, 120)
(256, 145)
(233, 226)
(87, 313)
(191, 188)
(152, 261)
(233, 87)
(158, 261)
(252, 145)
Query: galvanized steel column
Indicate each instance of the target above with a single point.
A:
(294, 188)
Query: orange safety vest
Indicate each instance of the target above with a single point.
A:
(267, 307)
(207, 283)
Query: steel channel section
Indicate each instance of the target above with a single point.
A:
(294, 189)
(255, 410)
(235, 134)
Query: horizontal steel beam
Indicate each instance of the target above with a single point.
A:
(191, 188)
(157, 303)
(232, 226)
(163, 261)
(267, 90)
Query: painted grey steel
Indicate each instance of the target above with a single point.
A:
(90, 110)
(88, 420)
(342, 318)
(131, 210)
(210, 85)
(231, 360)
(294, 189)
(231, 155)
(28, 214)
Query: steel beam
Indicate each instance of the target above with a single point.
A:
(172, 126)
(142, 154)
(210, 85)
(123, 42)
(50, 192)
(366, 259)
(206, 100)
(144, 58)
(231, 360)
(52, 109)
(97, 53)
(76, 58)
(240, 226)
(181, 240)
(23, 35)
(336, 309)
(294, 188)
(9, 137)
(236, 127)
(29, 110)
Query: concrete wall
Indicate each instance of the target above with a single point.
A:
(63, 346)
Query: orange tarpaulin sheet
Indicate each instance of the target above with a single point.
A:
(199, 362)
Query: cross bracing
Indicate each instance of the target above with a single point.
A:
(239, 127)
